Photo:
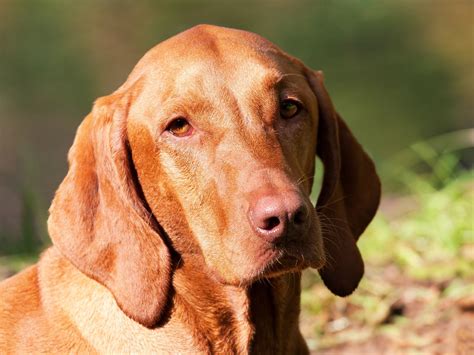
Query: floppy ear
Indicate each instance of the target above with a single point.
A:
(349, 197)
(99, 219)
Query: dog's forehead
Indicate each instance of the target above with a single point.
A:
(212, 42)
(209, 67)
(215, 53)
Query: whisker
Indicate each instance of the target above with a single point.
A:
(330, 203)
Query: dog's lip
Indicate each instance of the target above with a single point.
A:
(292, 246)
(296, 251)
(285, 242)
(276, 260)
(283, 265)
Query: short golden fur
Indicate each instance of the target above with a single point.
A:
(153, 250)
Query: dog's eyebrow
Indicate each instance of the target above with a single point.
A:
(283, 76)
(276, 79)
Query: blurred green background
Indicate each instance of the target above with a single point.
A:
(401, 73)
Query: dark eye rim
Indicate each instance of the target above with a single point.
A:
(173, 121)
(297, 103)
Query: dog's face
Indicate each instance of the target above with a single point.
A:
(224, 147)
(207, 152)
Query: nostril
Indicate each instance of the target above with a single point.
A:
(270, 223)
(300, 216)
(275, 217)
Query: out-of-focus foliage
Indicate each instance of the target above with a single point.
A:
(394, 75)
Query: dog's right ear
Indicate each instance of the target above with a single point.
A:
(99, 219)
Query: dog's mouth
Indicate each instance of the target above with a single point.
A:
(274, 260)
(291, 256)
(251, 259)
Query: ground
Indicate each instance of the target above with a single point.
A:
(396, 316)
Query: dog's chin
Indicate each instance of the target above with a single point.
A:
(292, 259)
(275, 262)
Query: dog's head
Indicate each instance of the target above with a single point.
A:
(207, 151)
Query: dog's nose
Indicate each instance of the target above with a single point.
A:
(275, 216)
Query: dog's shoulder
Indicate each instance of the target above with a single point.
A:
(20, 303)
(19, 293)
(28, 320)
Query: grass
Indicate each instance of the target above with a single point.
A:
(432, 236)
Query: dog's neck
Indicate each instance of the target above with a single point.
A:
(205, 316)
(260, 318)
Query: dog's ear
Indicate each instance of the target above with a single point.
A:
(100, 221)
(349, 196)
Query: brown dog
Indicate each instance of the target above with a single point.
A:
(184, 221)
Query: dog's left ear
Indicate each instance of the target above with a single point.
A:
(349, 197)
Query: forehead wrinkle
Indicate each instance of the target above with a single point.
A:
(262, 99)
(181, 105)
(187, 94)
(252, 96)
(251, 111)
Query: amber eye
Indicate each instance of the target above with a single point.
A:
(289, 108)
(180, 127)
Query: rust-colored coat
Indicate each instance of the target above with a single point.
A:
(160, 230)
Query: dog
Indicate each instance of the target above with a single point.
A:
(184, 221)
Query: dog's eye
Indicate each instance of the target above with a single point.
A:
(180, 127)
(289, 108)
